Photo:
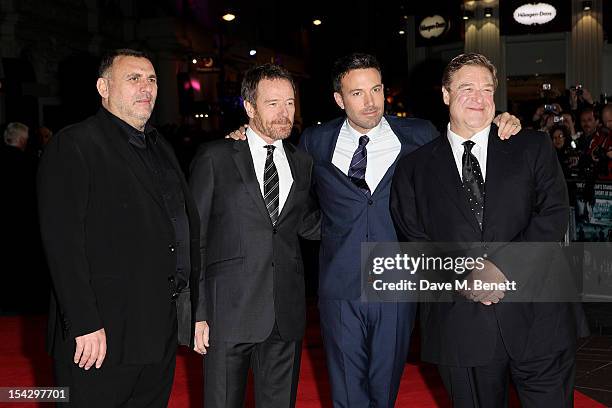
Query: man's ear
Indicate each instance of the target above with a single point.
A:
(445, 95)
(249, 109)
(339, 100)
(102, 87)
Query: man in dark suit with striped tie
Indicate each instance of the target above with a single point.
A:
(253, 197)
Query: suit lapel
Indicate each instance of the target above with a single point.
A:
(244, 163)
(328, 147)
(297, 177)
(121, 145)
(444, 167)
(499, 163)
(402, 136)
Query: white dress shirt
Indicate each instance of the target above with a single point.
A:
(383, 148)
(479, 150)
(259, 153)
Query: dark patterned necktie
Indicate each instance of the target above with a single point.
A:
(357, 169)
(473, 183)
(271, 188)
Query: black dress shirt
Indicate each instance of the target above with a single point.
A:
(167, 182)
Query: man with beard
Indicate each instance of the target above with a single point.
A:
(253, 199)
(120, 230)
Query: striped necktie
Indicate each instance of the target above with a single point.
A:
(271, 188)
(357, 168)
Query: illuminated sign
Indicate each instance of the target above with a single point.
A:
(433, 26)
(534, 14)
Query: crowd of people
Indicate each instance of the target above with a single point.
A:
(580, 128)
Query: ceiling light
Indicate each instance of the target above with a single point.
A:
(317, 22)
(228, 17)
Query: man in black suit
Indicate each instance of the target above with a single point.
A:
(438, 195)
(253, 197)
(121, 234)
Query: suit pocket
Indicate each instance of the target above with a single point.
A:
(225, 267)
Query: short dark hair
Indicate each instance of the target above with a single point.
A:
(589, 109)
(343, 65)
(256, 74)
(462, 60)
(564, 131)
(107, 60)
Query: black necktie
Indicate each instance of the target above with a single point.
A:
(473, 183)
(357, 169)
(271, 185)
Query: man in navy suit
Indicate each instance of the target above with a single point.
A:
(354, 159)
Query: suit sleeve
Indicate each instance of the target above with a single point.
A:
(311, 223)
(63, 198)
(550, 215)
(548, 223)
(403, 204)
(201, 183)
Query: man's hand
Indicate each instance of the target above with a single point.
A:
(238, 134)
(508, 125)
(90, 349)
(489, 274)
(201, 337)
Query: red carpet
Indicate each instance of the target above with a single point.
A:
(24, 363)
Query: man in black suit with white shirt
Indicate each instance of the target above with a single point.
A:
(253, 197)
(470, 186)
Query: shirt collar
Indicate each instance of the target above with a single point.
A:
(134, 136)
(480, 139)
(372, 133)
(257, 143)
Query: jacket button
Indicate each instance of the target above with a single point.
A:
(274, 230)
(370, 202)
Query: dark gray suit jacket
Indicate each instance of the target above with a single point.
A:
(252, 273)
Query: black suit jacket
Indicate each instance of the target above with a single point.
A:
(109, 244)
(526, 201)
(252, 273)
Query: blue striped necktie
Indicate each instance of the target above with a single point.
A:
(357, 169)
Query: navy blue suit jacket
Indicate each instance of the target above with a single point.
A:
(349, 217)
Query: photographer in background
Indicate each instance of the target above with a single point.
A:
(580, 98)
(567, 155)
(598, 154)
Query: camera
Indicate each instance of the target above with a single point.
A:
(550, 108)
(579, 89)
(546, 87)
